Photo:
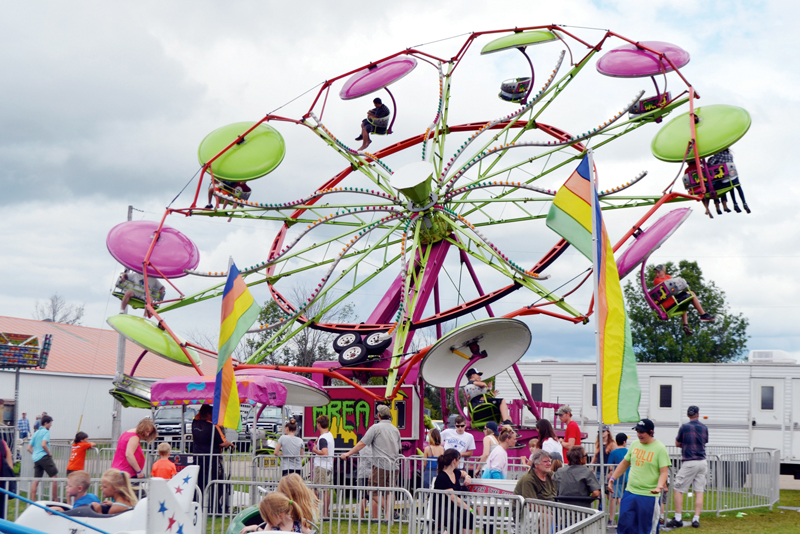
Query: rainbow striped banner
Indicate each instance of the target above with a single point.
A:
(239, 312)
(576, 216)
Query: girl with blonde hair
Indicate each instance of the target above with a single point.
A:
(298, 502)
(279, 512)
(118, 493)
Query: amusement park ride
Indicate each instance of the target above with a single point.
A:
(383, 222)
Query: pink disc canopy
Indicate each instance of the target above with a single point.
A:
(129, 242)
(372, 79)
(628, 61)
(650, 239)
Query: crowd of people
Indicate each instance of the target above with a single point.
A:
(635, 477)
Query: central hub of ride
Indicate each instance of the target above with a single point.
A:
(433, 228)
(414, 181)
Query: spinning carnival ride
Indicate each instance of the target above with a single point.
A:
(387, 221)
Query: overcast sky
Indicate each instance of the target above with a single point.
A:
(105, 103)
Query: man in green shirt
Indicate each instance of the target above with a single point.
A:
(538, 482)
(649, 463)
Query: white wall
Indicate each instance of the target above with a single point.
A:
(74, 401)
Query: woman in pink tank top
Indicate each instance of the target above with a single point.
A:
(128, 456)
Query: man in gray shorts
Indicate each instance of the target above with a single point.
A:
(692, 439)
(386, 447)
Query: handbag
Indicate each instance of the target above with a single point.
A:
(6, 471)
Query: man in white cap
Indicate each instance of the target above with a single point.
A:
(386, 446)
(649, 462)
(572, 436)
(476, 389)
(692, 439)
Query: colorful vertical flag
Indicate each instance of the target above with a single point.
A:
(239, 312)
(576, 216)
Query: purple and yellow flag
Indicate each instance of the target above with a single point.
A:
(576, 216)
(239, 312)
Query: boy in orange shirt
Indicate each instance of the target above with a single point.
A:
(164, 468)
(77, 458)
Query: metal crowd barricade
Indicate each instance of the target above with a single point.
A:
(551, 517)
(343, 509)
(435, 511)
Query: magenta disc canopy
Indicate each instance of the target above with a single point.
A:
(650, 239)
(628, 61)
(129, 242)
(369, 80)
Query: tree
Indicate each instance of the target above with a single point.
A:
(309, 344)
(654, 340)
(56, 310)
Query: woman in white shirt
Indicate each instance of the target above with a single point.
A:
(497, 463)
(548, 440)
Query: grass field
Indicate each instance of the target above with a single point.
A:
(760, 520)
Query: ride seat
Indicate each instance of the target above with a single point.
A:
(135, 302)
(381, 125)
(723, 178)
(514, 89)
(239, 190)
(646, 105)
(480, 414)
(673, 299)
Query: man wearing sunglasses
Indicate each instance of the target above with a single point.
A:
(649, 462)
(459, 439)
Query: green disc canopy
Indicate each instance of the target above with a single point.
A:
(149, 336)
(517, 40)
(261, 152)
(720, 126)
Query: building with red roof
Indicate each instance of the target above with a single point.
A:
(73, 388)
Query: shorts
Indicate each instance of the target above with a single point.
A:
(45, 465)
(638, 513)
(491, 400)
(382, 478)
(693, 473)
(320, 475)
(492, 474)
(619, 487)
(292, 471)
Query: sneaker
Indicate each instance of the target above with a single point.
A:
(696, 523)
(687, 330)
(707, 318)
(507, 422)
(359, 138)
(736, 207)
(746, 208)
(674, 523)
(208, 206)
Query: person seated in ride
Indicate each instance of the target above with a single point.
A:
(662, 276)
(718, 159)
(229, 187)
(118, 493)
(380, 111)
(139, 291)
(478, 393)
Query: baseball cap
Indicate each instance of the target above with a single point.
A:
(693, 410)
(472, 371)
(606, 428)
(491, 425)
(556, 456)
(660, 267)
(384, 410)
(564, 409)
(645, 425)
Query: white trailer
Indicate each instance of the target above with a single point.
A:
(754, 404)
